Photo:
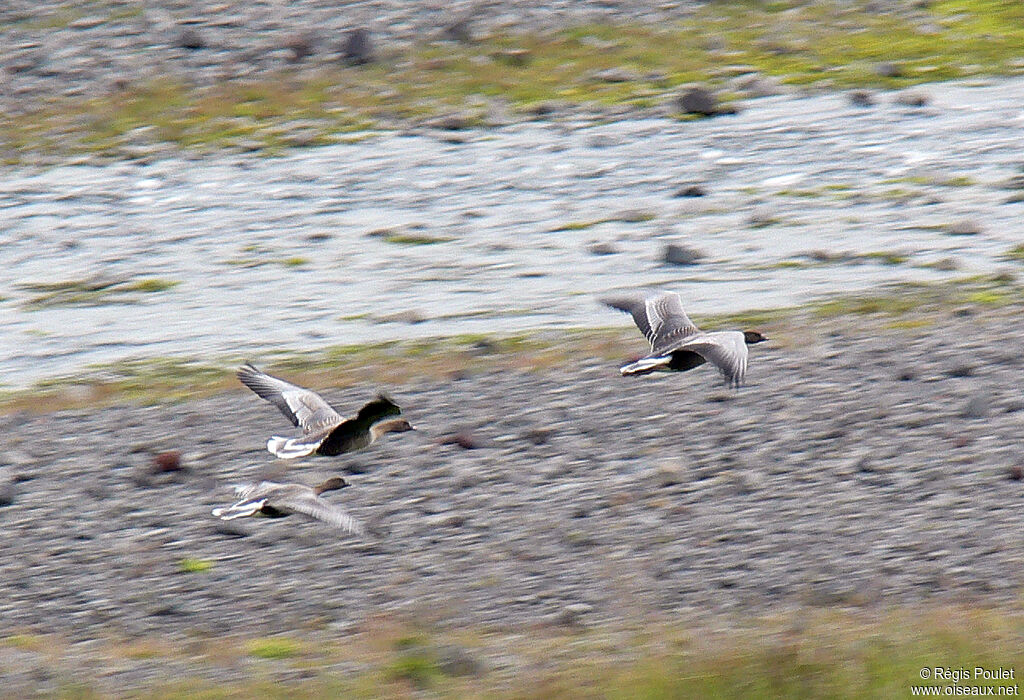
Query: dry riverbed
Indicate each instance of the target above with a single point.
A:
(871, 462)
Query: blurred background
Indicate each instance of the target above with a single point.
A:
(428, 199)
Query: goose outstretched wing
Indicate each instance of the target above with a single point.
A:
(659, 316)
(726, 350)
(304, 408)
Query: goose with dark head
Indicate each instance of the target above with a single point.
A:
(677, 344)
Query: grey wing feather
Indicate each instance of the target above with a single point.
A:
(659, 316)
(302, 407)
(636, 306)
(314, 507)
(727, 350)
(669, 322)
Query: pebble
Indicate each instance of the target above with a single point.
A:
(677, 254)
(861, 98)
(698, 100)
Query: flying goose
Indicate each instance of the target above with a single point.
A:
(324, 430)
(273, 500)
(676, 343)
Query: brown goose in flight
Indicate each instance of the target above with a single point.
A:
(677, 344)
(273, 500)
(324, 430)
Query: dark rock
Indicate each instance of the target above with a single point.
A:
(460, 30)
(692, 190)
(455, 121)
(1016, 473)
(302, 45)
(463, 439)
(602, 248)
(538, 436)
(545, 109)
(964, 227)
(167, 609)
(357, 48)
(698, 100)
(911, 98)
(960, 369)
(169, 461)
(190, 39)
(676, 254)
(861, 98)
(8, 491)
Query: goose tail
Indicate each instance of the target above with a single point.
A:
(645, 365)
(241, 509)
(290, 448)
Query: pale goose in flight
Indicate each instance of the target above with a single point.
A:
(324, 430)
(676, 343)
(273, 500)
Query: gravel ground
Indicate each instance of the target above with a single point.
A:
(71, 49)
(63, 49)
(858, 467)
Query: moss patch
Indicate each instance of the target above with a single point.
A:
(92, 292)
(834, 44)
(1015, 253)
(274, 648)
(166, 379)
(190, 565)
(807, 654)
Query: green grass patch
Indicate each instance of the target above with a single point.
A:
(28, 642)
(809, 653)
(886, 257)
(151, 286)
(579, 225)
(274, 648)
(190, 565)
(1015, 253)
(835, 44)
(805, 194)
(910, 324)
(932, 180)
(417, 668)
(412, 239)
(92, 292)
(169, 379)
